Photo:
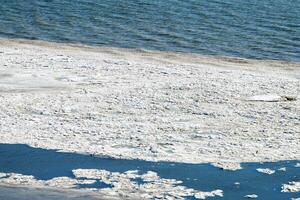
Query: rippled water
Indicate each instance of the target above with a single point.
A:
(253, 29)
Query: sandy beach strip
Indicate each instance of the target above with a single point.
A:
(148, 105)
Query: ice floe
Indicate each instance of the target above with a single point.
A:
(153, 186)
(228, 165)
(283, 169)
(292, 186)
(151, 106)
(272, 98)
(251, 196)
(122, 185)
(204, 195)
(265, 170)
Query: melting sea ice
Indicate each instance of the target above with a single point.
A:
(188, 181)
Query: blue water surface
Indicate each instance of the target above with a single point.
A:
(47, 164)
(261, 29)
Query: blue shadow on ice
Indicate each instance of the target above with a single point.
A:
(46, 164)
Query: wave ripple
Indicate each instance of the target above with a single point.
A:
(252, 29)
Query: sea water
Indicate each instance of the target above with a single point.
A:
(260, 29)
(47, 164)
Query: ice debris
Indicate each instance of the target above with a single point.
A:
(251, 196)
(129, 184)
(291, 187)
(204, 195)
(228, 165)
(272, 98)
(152, 186)
(283, 169)
(265, 171)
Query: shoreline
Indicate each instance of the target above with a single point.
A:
(178, 56)
(156, 106)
